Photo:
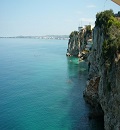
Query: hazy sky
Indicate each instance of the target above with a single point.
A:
(43, 17)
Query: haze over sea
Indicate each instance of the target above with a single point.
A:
(41, 88)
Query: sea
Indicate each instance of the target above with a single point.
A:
(41, 88)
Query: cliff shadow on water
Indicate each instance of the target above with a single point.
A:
(80, 111)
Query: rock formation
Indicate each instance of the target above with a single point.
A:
(73, 44)
(103, 85)
(103, 58)
(78, 41)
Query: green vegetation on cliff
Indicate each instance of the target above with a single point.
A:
(103, 18)
(88, 29)
(111, 30)
(74, 33)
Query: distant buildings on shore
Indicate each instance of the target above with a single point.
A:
(57, 37)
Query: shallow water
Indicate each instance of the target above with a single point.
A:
(41, 88)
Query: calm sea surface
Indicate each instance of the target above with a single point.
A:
(40, 88)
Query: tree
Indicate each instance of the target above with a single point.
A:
(111, 28)
(102, 20)
(74, 33)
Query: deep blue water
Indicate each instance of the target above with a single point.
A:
(40, 88)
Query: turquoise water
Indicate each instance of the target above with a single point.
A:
(40, 88)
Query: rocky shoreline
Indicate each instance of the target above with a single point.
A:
(103, 86)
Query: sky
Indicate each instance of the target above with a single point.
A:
(49, 17)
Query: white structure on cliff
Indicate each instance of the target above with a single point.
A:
(80, 28)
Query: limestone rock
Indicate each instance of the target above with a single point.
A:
(103, 87)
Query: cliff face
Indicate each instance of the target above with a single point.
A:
(74, 44)
(78, 41)
(109, 95)
(103, 86)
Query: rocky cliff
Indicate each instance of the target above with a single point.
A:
(103, 85)
(73, 44)
(78, 41)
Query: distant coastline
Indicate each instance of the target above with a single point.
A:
(57, 37)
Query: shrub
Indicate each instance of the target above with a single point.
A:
(102, 20)
(74, 33)
(111, 30)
